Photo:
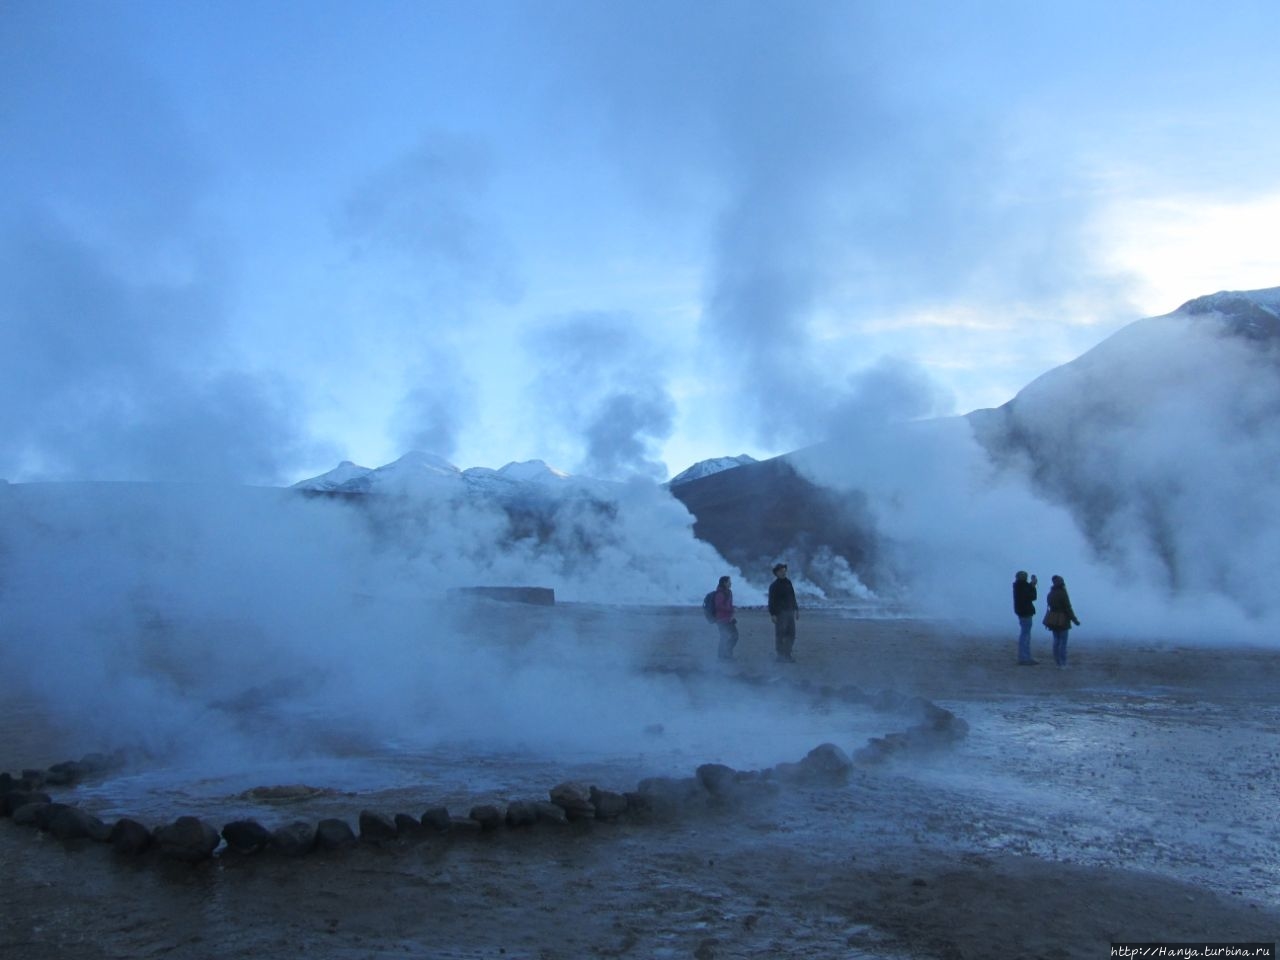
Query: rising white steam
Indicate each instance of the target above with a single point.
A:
(170, 616)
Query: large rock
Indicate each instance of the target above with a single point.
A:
(574, 799)
(437, 818)
(34, 814)
(522, 813)
(246, 836)
(667, 797)
(826, 763)
(334, 834)
(129, 837)
(66, 773)
(548, 812)
(609, 805)
(377, 827)
(72, 823)
(407, 827)
(717, 779)
(188, 839)
(487, 815)
(11, 801)
(295, 839)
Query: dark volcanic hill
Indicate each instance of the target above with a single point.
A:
(759, 513)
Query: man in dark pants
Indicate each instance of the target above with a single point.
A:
(783, 611)
(1024, 608)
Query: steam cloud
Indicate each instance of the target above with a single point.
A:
(1147, 489)
(604, 379)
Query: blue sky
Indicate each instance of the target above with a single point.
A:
(245, 241)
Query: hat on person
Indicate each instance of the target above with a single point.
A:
(779, 566)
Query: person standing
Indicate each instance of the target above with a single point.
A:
(1059, 618)
(1024, 608)
(783, 611)
(726, 621)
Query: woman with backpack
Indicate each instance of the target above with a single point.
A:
(1058, 618)
(726, 621)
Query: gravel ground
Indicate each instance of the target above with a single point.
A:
(1130, 797)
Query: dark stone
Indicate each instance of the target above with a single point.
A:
(487, 815)
(334, 834)
(246, 836)
(667, 797)
(72, 823)
(826, 763)
(376, 826)
(639, 804)
(294, 839)
(129, 837)
(789, 772)
(574, 799)
(548, 812)
(437, 818)
(407, 826)
(877, 750)
(188, 839)
(10, 802)
(34, 814)
(609, 805)
(717, 779)
(939, 727)
(66, 773)
(522, 813)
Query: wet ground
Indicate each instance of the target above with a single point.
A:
(1130, 797)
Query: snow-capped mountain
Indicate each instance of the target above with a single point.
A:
(424, 472)
(705, 468)
(342, 474)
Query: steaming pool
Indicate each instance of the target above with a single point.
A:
(1169, 772)
(718, 720)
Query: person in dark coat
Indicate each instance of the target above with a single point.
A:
(1059, 618)
(1024, 608)
(726, 620)
(783, 611)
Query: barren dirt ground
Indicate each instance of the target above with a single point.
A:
(1131, 797)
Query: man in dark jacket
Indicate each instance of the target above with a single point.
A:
(783, 611)
(1024, 608)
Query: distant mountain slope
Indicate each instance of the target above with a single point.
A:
(1165, 435)
(704, 468)
(335, 479)
(762, 512)
(424, 472)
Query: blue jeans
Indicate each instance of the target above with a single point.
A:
(728, 638)
(1060, 647)
(1024, 639)
(784, 633)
